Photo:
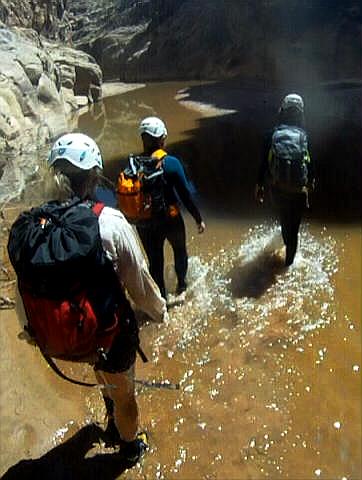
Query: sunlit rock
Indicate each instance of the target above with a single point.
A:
(41, 84)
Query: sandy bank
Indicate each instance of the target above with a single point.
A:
(117, 88)
(205, 109)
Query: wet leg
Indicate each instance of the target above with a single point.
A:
(153, 241)
(125, 410)
(176, 235)
(293, 232)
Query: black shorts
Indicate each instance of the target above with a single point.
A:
(122, 354)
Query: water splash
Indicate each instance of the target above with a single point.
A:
(248, 290)
(239, 303)
(59, 435)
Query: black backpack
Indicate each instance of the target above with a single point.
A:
(72, 297)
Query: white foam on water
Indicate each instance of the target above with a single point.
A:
(220, 315)
(190, 316)
(301, 296)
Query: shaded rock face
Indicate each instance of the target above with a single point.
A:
(104, 28)
(274, 42)
(47, 17)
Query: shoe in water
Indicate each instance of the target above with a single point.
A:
(289, 260)
(181, 288)
(134, 451)
(112, 437)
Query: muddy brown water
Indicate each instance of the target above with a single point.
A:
(268, 359)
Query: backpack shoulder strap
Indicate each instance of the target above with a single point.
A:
(160, 154)
(98, 208)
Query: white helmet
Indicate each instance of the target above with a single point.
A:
(153, 126)
(78, 149)
(292, 100)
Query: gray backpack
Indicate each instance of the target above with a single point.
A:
(288, 158)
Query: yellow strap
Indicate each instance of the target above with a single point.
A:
(159, 154)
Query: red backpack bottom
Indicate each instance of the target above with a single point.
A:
(67, 328)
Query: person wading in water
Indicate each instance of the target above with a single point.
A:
(167, 223)
(287, 169)
(84, 303)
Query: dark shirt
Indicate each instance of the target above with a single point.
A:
(178, 186)
(106, 196)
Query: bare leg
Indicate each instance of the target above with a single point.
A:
(125, 406)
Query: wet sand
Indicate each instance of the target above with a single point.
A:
(110, 89)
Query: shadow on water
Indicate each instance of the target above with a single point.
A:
(252, 279)
(229, 147)
(67, 461)
(222, 153)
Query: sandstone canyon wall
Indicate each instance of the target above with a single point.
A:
(271, 41)
(42, 81)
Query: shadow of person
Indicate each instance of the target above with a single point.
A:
(67, 461)
(252, 279)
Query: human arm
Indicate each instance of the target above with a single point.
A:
(122, 247)
(201, 227)
(263, 169)
(177, 180)
(311, 172)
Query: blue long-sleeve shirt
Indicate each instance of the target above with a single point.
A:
(178, 186)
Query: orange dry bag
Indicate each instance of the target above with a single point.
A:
(141, 188)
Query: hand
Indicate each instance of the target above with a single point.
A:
(166, 318)
(305, 190)
(201, 227)
(259, 193)
(311, 186)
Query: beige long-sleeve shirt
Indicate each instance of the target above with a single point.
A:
(122, 247)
